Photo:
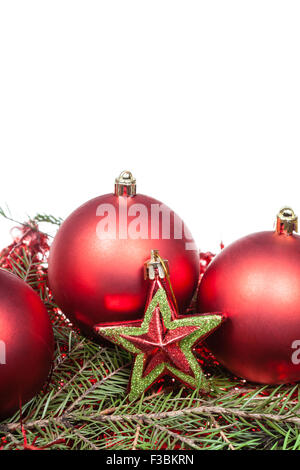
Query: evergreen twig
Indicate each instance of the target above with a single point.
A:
(86, 407)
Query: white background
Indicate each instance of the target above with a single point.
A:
(199, 99)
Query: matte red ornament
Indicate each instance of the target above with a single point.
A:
(26, 343)
(96, 260)
(255, 281)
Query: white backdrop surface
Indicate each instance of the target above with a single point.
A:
(199, 99)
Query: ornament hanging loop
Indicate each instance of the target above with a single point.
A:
(125, 184)
(287, 221)
(156, 266)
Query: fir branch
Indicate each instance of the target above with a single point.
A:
(136, 436)
(189, 443)
(143, 417)
(75, 376)
(32, 222)
(222, 434)
(94, 387)
(49, 219)
(86, 404)
(200, 410)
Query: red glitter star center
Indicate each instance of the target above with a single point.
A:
(161, 345)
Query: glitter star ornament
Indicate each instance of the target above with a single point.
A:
(163, 341)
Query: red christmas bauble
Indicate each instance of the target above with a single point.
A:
(96, 260)
(26, 343)
(255, 281)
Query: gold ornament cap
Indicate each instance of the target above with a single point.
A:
(125, 184)
(156, 265)
(287, 221)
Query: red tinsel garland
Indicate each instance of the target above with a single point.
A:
(32, 245)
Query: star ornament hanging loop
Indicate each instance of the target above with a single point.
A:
(162, 343)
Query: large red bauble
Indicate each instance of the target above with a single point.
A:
(255, 281)
(98, 280)
(26, 343)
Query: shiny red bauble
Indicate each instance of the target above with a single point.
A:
(96, 272)
(26, 343)
(255, 281)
